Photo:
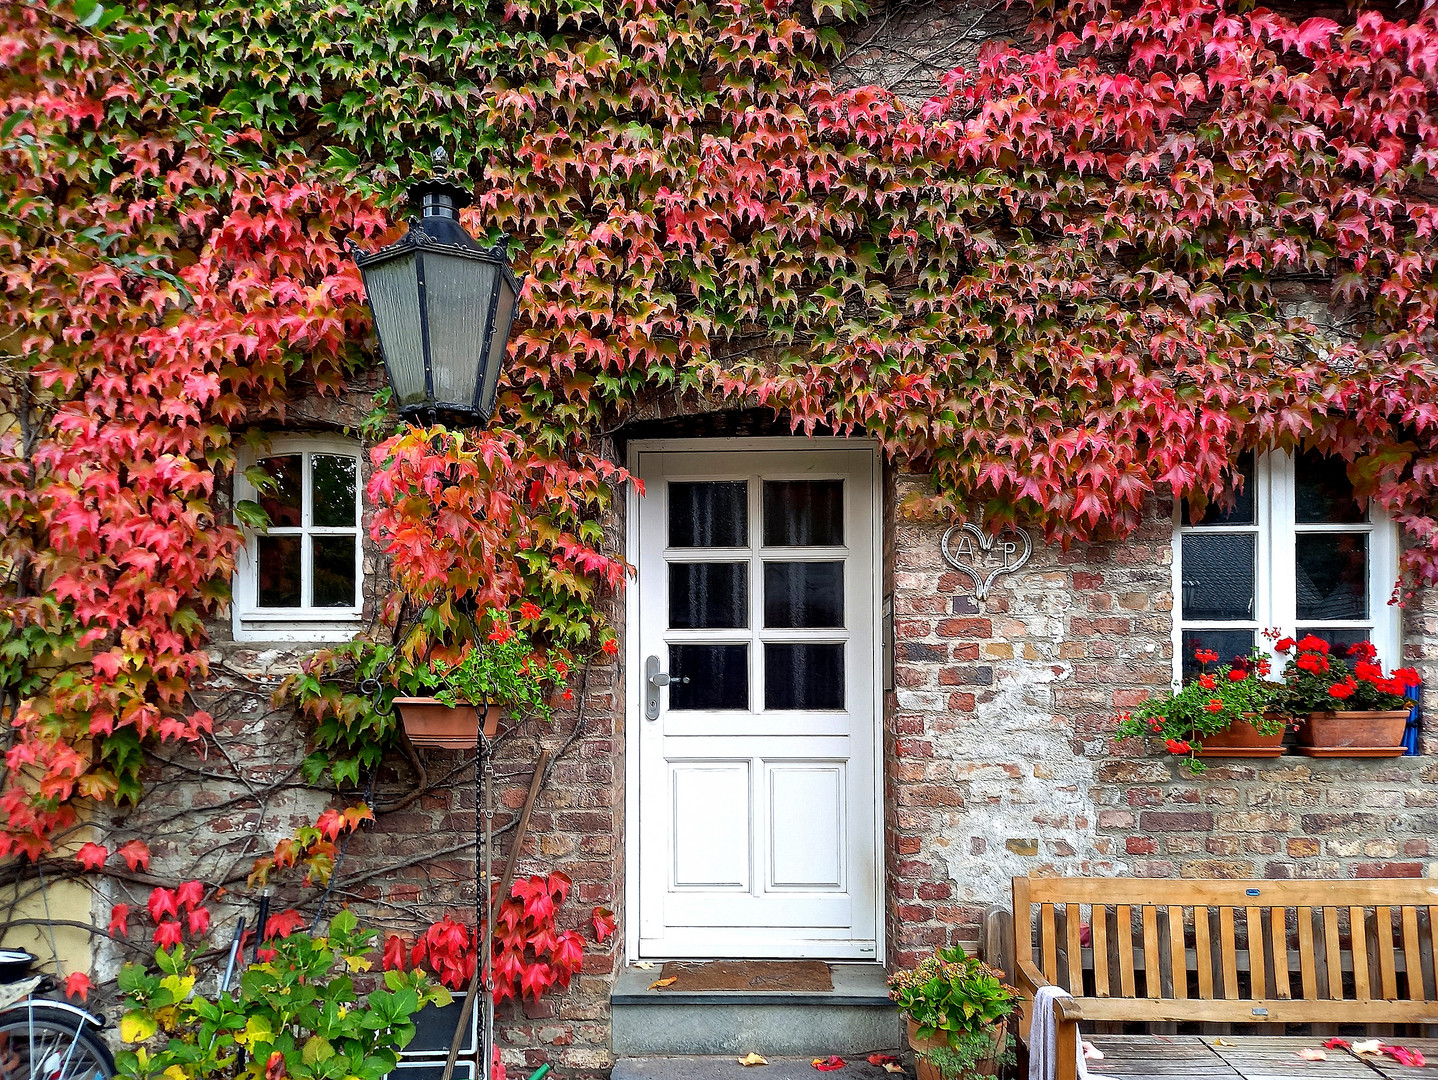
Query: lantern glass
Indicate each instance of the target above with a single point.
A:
(499, 342)
(393, 289)
(458, 294)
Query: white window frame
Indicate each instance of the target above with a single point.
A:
(1276, 583)
(327, 624)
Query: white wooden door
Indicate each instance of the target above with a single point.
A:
(756, 598)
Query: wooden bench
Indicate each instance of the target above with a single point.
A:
(1237, 952)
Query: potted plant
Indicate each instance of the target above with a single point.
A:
(956, 1008)
(1226, 712)
(502, 673)
(1350, 711)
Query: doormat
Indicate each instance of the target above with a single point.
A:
(749, 975)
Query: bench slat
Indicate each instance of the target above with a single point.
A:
(1186, 892)
(1050, 944)
(1229, 950)
(1413, 963)
(1307, 957)
(1256, 951)
(1152, 969)
(1098, 933)
(1124, 937)
(1203, 953)
(1333, 953)
(1073, 918)
(1177, 957)
(1384, 918)
(1358, 938)
(1278, 940)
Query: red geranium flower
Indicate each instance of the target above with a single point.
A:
(1343, 690)
(1237, 676)
(1364, 649)
(1309, 643)
(610, 647)
(1205, 656)
(1178, 746)
(1282, 645)
(1214, 705)
(1208, 682)
(529, 610)
(501, 634)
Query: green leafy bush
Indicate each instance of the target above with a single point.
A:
(295, 1014)
(953, 993)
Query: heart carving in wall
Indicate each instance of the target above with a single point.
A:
(986, 556)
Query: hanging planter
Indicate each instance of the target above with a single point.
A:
(428, 721)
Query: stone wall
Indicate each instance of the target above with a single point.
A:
(1002, 764)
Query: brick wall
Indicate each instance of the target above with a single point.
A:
(1001, 763)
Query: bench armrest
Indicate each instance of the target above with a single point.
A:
(1067, 1014)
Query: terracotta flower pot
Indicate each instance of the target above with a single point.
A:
(1242, 739)
(430, 722)
(1336, 730)
(926, 1070)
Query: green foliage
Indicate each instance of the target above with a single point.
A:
(1210, 702)
(297, 1014)
(962, 1058)
(503, 669)
(953, 993)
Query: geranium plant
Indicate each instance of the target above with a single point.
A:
(1210, 702)
(505, 668)
(954, 995)
(1316, 681)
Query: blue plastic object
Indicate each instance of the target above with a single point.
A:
(1410, 733)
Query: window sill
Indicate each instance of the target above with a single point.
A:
(332, 626)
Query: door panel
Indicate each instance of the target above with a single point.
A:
(756, 607)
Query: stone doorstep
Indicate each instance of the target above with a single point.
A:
(854, 985)
(728, 1068)
(856, 1018)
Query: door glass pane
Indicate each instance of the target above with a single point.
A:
(1325, 493)
(709, 514)
(1332, 575)
(334, 570)
(279, 571)
(1339, 638)
(1242, 512)
(718, 677)
(803, 513)
(803, 594)
(801, 676)
(332, 486)
(283, 503)
(1218, 577)
(1227, 643)
(704, 595)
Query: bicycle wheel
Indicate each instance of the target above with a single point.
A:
(48, 1044)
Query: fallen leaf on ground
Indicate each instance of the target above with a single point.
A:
(1336, 1043)
(1220, 1042)
(828, 1064)
(657, 983)
(1092, 1052)
(1310, 1054)
(1405, 1056)
(752, 1059)
(894, 1067)
(882, 1059)
(644, 965)
(1367, 1046)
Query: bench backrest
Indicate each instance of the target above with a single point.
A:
(1236, 951)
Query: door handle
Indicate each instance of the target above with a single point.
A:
(654, 679)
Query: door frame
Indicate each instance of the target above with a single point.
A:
(633, 662)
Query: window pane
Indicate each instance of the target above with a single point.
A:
(712, 514)
(803, 594)
(803, 676)
(279, 571)
(1338, 638)
(718, 677)
(334, 569)
(332, 486)
(1227, 643)
(1325, 493)
(1218, 577)
(803, 513)
(703, 595)
(283, 504)
(1242, 512)
(1332, 575)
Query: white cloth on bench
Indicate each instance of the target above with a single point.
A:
(1044, 1038)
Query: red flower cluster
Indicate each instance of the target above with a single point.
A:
(1178, 746)
(1208, 682)
(1214, 705)
(1237, 675)
(1206, 656)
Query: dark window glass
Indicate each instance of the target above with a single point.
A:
(803, 594)
(709, 514)
(1332, 575)
(803, 513)
(717, 677)
(705, 595)
(279, 571)
(1325, 494)
(1338, 638)
(334, 570)
(333, 488)
(1218, 577)
(283, 503)
(1227, 643)
(801, 676)
(1241, 512)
